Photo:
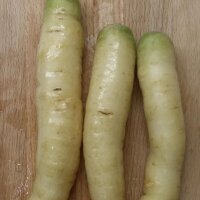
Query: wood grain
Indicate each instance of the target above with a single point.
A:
(20, 23)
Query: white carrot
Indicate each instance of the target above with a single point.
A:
(59, 106)
(163, 111)
(107, 110)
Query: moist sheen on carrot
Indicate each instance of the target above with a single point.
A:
(162, 105)
(59, 105)
(107, 111)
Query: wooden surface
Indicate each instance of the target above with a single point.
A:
(20, 23)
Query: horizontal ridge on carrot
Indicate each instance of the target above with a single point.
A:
(163, 110)
(59, 105)
(107, 111)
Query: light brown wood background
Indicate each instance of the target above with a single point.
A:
(20, 23)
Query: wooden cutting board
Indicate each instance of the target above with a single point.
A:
(20, 23)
